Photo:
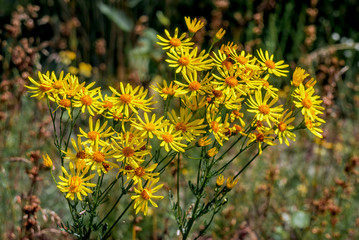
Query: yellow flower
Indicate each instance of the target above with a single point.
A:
(273, 67)
(212, 152)
(98, 158)
(171, 90)
(88, 99)
(313, 127)
(187, 60)
(129, 98)
(221, 60)
(73, 70)
(241, 59)
(174, 42)
(283, 128)
(67, 57)
(204, 141)
(183, 124)
(309, 102)
(231, 183)
(64, 103)
(229, 83)
(129, 148)
(269, 88)
(79, 154)
(136, 172)
(194, 25)
(40, 88)
(47, 161)
(75, 183)
(147, 127)
(220, 34)
(85, 69)
(227, 48)
(145, 195)
(97, 133)
(193, 103)
(262, 136)
(171, 139)
(298, 76)
(193, 85)
(72, 86)
(263, 109)
(220, 180)
(217, 128)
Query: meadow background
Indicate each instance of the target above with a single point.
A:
(307, 191)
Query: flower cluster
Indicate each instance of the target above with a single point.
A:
(215, 96)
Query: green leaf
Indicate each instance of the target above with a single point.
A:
(300, 219)
(118, 16)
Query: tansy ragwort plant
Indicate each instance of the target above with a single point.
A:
(218, 101)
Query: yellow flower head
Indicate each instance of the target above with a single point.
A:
(145, 195)
(220, 34)
(75, 183)
(204, 141)
(85, 69)
(298, 76)
(212, 152)
(231, 183)
(220, 180)
(277, 68)
(194, 25)
(174, 42)
(47, 161)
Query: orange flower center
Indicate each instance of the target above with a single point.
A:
(169, 91)
(140, 171)
(107, 104)
(237, 113)
(264, 109)
(150, 127)
(168, 138)
(126, 98)
(93, 135)
(128, 151)
(259, 137)
(194, 86)
(282, 126)
(43, 87)
(242, 60)
(181, 127)
(86, 100)
(217, 93)
(270, 64)
(57, 84)
(184, 61)
(75, 184)
(128, 167)
(307, 103)
(98, 156)
(65, 102)
(231, 81)
(146, 194)
(175, 42)
(227, 64)
(238, 128)
(106, 166)
(81, 155)
(215, 126)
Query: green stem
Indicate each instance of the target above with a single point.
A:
(108, 232)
